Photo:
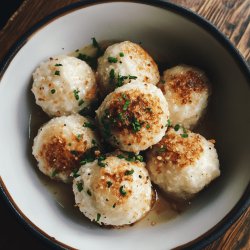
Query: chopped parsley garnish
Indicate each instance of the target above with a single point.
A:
(132, 77)
(80, 102)
(112, 59)
(121, 156)
(100, 162)
(89, 156)
(125, 106)
(109, 184)
(136, 126)
(98, 217)
(96, 45)
(79, 186)
(54, 173)
(147, 126)
(75, 173)
(93, 142)
(86, 58)
(58, 64)
(131, 157)
(57, 73)
(121, 54)
(122, 191)
(76, 94)
(169, 122)
(184, 134)
(177, 127)
(129, 172)
(52, 91)
(89, 192)
(89, 125)
(111, 76)
(79, 136)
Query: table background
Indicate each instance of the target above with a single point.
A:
(232, 17)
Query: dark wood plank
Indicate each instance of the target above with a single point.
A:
(232, 17)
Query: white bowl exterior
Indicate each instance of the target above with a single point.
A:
(159, 30)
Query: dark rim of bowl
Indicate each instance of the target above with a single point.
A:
(241, 205)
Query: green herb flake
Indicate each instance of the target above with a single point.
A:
(80, 102)
(98, 217)
(111, 76)
(93, 142)
(54, 173)
(58, 64)
(100, 160)
(125, 106)
(79, 136)
(52, 91)
(57, 73)
(129, 172)
(114, 205)
(136, 126)
(121, 156)
(162, 81)
(79, 186)
(132, 77)
(109, 184)
(177, 127)
(169, 122)
(89, 192)
(147, 126)
(112, 59)
(95, 43)
(121, 54)
(76, 94)
(74, 173)
(122, 191)
(139, 158)
(89, 125)
(184, 135)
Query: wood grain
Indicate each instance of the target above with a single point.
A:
(232, 17)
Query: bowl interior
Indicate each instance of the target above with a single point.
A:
(170, 38)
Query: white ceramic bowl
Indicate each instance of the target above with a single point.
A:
(170, 34)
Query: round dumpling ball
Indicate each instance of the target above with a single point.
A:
(113, 190)
(186, 90)
(182, 163)
(64, 85)
(123, 63)
(60, 143)
(133, 117)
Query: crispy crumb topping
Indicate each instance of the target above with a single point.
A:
(178, 150)
(185, 84)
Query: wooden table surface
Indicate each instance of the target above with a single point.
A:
(232, 17)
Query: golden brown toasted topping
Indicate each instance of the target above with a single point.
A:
(131, 111)
(184, 85)
(58, 157)
(178, 150)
